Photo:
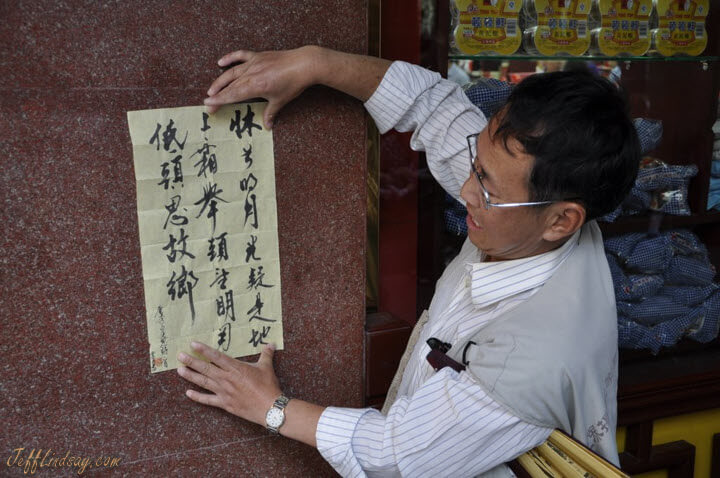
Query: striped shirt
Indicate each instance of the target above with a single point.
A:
(442, 423)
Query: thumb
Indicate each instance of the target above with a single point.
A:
(266, 356)
(270, 113)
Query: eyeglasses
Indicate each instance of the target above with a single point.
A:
(472, 147)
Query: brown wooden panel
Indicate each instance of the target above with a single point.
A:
(669, 384)
(678, 458)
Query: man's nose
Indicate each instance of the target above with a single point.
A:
(468, 194)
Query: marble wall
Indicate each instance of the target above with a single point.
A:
(75, 375)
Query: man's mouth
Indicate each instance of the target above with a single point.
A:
(472, 223)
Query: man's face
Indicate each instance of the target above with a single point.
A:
(503, 233)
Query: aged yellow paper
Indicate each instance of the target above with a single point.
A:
(208, 230)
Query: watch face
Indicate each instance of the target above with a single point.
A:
(275, 417)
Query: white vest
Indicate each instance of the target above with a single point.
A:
(552, 360)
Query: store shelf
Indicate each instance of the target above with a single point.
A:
(526, 57)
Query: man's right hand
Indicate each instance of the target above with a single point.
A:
(280, 76)
(277, 76)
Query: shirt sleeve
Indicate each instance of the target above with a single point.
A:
(448, 427)
(411, 98)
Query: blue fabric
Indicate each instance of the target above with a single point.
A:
(715, 169)
(649, 133)
(632, 287)
(488, 94)
(632, 335)
(714, 193)
(653, 310)
(455, 214)
(623, 246)
(701, 325)
(660, 187)
(651, 255)
(689, 295)
(706, 322)
(686, 243)
(684, 270)
(677, 299)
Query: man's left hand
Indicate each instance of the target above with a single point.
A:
(244, 389)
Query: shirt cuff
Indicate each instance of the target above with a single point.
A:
(334, 434)
(394, 97)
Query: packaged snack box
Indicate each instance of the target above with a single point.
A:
(562, 28)
(487, 26)
(624, 27)
(681, 27)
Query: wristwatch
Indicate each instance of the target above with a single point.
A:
(275, 417)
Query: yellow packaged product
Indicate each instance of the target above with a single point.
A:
(624, 27)
(681, 27)
(487, 26)
(562, 27)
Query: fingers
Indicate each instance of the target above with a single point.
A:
(226, 78)
(199, 379)
(239, 55)
(266, 356)
(270, 112)
(218, 358)
(204, 398)
(238, 90)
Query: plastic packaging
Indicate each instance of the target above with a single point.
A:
(659, 187)
(681, 27)
(487, 26)
(624, 27)
(557, 27)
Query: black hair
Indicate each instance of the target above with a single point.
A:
(576, 126)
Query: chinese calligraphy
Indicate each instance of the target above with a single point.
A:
(208, 239)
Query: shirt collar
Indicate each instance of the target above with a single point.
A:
(491, 282)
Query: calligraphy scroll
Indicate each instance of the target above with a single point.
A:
(208, 230)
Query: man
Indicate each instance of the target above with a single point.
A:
(527, 305)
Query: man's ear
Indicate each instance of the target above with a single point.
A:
(563, 219)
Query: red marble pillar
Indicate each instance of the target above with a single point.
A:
(75, 375)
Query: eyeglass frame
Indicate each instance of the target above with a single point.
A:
(486, 194)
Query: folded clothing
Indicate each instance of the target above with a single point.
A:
(632, 287)
(660, 187)
(684, 270)
(664, 289)
(652, 254)
(702, 324)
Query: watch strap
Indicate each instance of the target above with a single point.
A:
(280, 403)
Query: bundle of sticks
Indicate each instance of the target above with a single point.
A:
(563, 456)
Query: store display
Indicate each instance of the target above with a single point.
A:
(659, 187)
(681, 27)
(557, 27)
(487, 26)
(624, 27)
(664, 289)
(612, 28)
